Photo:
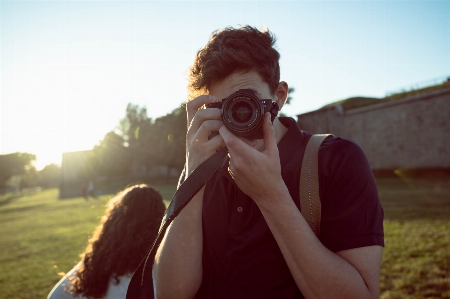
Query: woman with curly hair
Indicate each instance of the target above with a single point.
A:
(118, 245)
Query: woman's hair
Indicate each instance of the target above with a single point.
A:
(120, 242)
(235, 49)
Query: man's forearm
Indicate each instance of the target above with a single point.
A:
(178, 263)
(318, 272)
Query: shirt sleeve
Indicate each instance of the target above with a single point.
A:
(352, 215)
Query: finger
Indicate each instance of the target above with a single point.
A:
(270, 142)
(209, 147)
(200, 117)
(217, 142)
(248, 142)
(194, 105)
(206, 128)
(235, 144)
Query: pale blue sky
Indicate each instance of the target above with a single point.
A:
(68, 69)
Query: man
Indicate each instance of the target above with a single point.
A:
(242, 235)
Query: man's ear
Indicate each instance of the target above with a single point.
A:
(281, 93)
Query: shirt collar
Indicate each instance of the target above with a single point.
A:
(291, 141)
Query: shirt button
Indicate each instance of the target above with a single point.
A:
(239, 209)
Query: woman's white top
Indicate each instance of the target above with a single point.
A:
(60, 291)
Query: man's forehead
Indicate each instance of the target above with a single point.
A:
(241, 80)
(257, 93)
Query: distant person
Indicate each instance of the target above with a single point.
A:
(119, 243)
(84, 192)
(91, 189)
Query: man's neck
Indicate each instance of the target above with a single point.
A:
(280, 129)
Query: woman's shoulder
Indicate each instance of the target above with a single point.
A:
(61, 289)
(118, 290)
(115, 290)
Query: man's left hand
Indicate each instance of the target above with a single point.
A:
(257, 173)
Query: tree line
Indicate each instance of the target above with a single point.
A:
(138, 142)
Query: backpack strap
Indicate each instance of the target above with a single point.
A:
(310, 205)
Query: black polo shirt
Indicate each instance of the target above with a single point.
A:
(241, 258)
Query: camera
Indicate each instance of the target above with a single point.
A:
(243, 113)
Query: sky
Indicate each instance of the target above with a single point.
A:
(68, 69)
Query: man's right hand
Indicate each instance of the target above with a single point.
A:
(176, 276)
(201, 122)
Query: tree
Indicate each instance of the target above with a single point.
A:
(15, 164)
(154, 143)
(49, 176)
(138, 133)
(134, 121)
(172, 138)
(29, 179)
(109, 157)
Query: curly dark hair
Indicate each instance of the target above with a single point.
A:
(120, 242)
(235, 49)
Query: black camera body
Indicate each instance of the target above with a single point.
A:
(243, 113)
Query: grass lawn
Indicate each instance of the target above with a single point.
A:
(41, 237)
(416, 260)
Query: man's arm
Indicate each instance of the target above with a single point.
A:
(318, 272)
(177, 270)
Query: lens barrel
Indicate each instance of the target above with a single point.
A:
(243, 113)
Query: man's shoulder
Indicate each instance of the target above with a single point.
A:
(342, 159)
(337, 152)
(331, 144)
(340, 147)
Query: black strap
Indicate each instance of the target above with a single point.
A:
(141, 284)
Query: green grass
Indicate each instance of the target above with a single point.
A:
(416, 260)
(42, 236)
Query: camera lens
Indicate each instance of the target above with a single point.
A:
(242, 112)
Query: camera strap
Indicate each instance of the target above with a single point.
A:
(310, 205)
(137, 289)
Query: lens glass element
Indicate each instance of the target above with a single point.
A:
(242, 112)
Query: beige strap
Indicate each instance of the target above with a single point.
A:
(309, 183)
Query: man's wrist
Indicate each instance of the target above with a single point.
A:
(277, 196)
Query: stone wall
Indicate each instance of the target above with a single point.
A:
(411, 133)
